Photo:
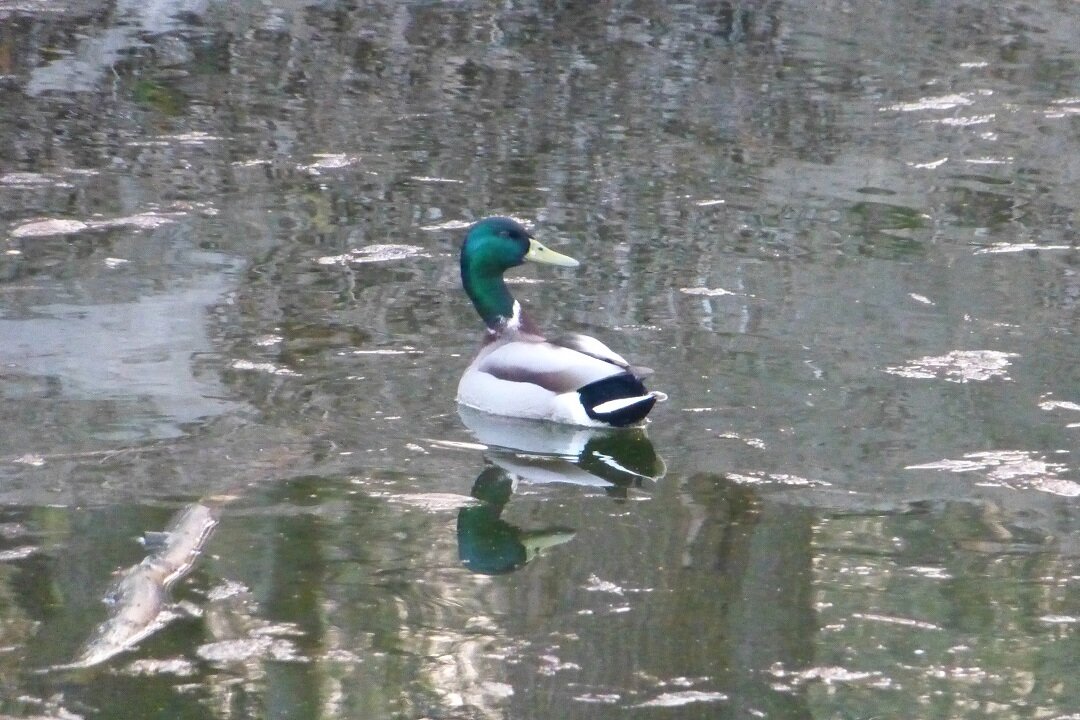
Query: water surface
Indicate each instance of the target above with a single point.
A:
(233, 480)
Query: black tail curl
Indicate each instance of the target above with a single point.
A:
(617, 387)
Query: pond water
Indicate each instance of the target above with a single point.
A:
(233, 479)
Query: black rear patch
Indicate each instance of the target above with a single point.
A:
(617, 387)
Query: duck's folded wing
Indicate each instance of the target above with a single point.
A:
(554, 367)
(593, 347)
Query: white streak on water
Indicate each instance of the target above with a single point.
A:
(751, 441)
(31, 460)
(232, 651)
(456, 445)
(59, 226)
(389, 351)
(1013, 469)
(685, 697)
(329, 161)
(894, 620)
(989, 161)
(763, 478)
(433, 502)
(966, 121)
(374, 253)
(263, 367)
(150, 666)
(931, 165)
(1004, 247)
(430, 179)
(1059, 619)
(448, 225)
(959, 366)
(826, 674)
(943, 102)
(1058, 404)
(18, 553)
(707, 291)
(599, 698)
(31, 180)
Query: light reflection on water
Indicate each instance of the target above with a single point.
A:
(843, 236)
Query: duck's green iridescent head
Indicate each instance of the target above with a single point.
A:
(492, 246)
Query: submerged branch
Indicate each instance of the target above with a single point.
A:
(140, 598)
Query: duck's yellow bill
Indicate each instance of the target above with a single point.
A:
(542, 254)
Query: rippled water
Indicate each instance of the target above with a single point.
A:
(233, 478)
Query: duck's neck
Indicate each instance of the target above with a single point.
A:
(490, 296)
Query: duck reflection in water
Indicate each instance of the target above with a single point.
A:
(539, 453)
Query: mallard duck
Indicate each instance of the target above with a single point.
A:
(571, 379)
